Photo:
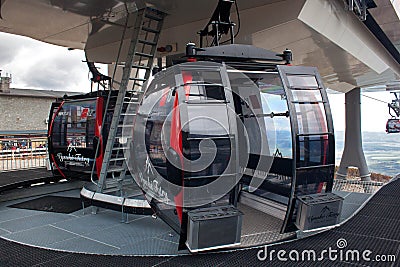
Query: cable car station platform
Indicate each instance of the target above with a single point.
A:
(152, 221)
(53, 228)
(221, 156)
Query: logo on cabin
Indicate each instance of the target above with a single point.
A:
(63, 113)
(73, 158)
(325, 215)
(71, 148)
(77, 160)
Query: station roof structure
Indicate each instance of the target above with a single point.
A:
(349, 48)
(26, 92)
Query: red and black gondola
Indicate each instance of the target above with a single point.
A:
(74, 132)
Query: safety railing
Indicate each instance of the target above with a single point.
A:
(17, 153)
(353, 185)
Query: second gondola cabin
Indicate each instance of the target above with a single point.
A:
(75, 137)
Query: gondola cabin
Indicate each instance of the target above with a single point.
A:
(232, 125)
(236, 122)
(75, 134)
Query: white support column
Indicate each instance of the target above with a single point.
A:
(353, 154)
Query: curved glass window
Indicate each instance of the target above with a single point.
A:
(207, 122)
(313, 150)
(157, 122)
(307, 95)
(311, 118)
(74, 124)
(274, 100)
(206, 131)
(302, 81)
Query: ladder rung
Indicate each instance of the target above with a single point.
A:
(138, 79)
(120, 148)
(128, 114)
(143, 54)
(153, 17)
(137, 85)
(115, 169)
(133, 103)
(117, 159)
(134, 92)
(131, 96)
(125, 125)
(147, 42)
(141, 67)
(150, 30)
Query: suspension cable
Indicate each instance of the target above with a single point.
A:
(375, 99)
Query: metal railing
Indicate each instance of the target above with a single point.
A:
(23, 153)
(354, 185)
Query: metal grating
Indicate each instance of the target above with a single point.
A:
(259, 228)
(361, 232)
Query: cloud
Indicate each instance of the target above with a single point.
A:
(57, 72)
(9, 47)
(38, 65)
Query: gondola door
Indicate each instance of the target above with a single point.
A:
(209, 138)
(312, 135)
(184, 154)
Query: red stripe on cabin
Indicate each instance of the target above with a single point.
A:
(97, 132)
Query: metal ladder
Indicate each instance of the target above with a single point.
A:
(137, 69)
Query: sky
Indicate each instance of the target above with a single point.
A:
(39, 65)
(374, 113)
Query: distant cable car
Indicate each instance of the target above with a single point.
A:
(393, 126)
